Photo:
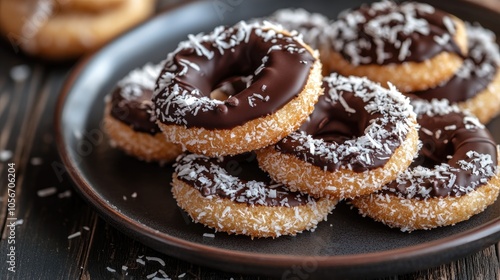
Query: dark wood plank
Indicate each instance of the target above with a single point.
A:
(17, 98)
(43, 249)
(481, 265)
(497, 248)
(117, 256)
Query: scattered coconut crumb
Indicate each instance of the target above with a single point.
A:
(76, 234)
(19, 222)
(160, 261)
(5, 155)
(110, 269)
(78, 134)
(86, 228)
(159, 274)
(46, 192)
(181, 275)
(124, 198)
(36, 161)
(141, 261)
(133, 195)
(209, 235)
(152, 275)
(163, 274)
(20, 73)
(64, 194)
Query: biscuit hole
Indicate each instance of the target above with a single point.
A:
(228, 88)
(219, 94)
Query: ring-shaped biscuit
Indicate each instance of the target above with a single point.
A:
(128, 118)
(455, 178)
(412, 45)
(475, 87)
(231, 194)
(359, 137)
(283, 83)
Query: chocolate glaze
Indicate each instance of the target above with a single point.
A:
(236, 178)
(477, 72)
(452, 140)
(363, 36)
(131, 99)
(284, 76)
(335, 125)
(135, 110)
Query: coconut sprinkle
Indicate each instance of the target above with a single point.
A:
(209, 235)
(20, 73)
(35, 161)
(64, 194)
(46, 192)
(5, 155)
(76, 234)
(110, 269)
(156, 259)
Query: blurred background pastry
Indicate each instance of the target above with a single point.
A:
(62, 29)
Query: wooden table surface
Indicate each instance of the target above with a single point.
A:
(58, 236)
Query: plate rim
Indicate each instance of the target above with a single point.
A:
(472, 240)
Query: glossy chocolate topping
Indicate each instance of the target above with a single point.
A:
(275, 66)
(131, 100)
(477, 72)
(356, 125)
(237, 178)
(386, 32)
(458, 154)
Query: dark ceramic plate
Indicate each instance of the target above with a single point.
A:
(346, 245)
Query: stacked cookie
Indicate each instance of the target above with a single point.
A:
(271, 145)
